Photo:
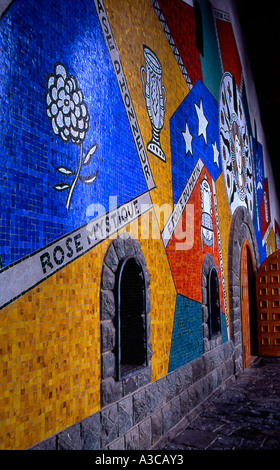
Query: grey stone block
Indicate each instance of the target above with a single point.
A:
(184, 402)
(154, 391)
(148, 300)
(166, 418)
(70, 439)
(109, 423)
(206, 345)
(156, 426)
(204, 295)
(137, 247)
(141, 257)
(111, 391)
(125, 410)
(118, 444)
(209, 362)
(170, 386)
(147, 277)
(214, 380)
(108, 365)
(119, 247)
(108, 278)
(183, 378)
(229, 368)
(175, 411)
(151, 400)
(198, 369)
(195, 393)
(235, 302)
(139, 406)
(215, 356)
(108, 336)
(90, 441)
(111, 258)
(144, 377)
(236, 324)
(205, 314)
(162, 391)
(203, 280)
(150, 350)
(90, 432)
(145, 434)
(108, 308)
(205, 330)
(48, 444)
(129, 245)
(132, 439)
(130, 384)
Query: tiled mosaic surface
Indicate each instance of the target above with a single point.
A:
(54, 330)
(187, 334)
(76, 123)
(194, 134)
(188, 280)
(37, 163)
(187, 338)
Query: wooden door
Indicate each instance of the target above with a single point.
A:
(245, 306)
(268, 306)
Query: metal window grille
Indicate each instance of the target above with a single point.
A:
(214, 305)
(132, 318)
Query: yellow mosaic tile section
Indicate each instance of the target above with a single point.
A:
(134, 23)
(163, 291)
(50, 344)
(224, 222)
(270, 243)
(50, 355)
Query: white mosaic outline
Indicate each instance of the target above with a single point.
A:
(123, 87)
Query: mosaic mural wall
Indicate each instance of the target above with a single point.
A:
(115, 116)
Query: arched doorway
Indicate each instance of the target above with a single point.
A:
(248, 304)
(242, 230)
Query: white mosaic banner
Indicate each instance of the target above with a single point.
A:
(181, 204)
(28, 272)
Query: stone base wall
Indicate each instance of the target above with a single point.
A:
(141, 419)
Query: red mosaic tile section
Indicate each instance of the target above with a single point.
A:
(229, 52)
(181, 22)
(265, 209)
(186, 265)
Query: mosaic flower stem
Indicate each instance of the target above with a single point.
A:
(75, 180)
(69, 119)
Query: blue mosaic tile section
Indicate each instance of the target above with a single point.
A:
(259, 181)
(224, 328)
(189, 143)
(35, 36)
(187, 337)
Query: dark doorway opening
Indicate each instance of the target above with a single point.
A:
(214, 306)
(252, 305)
(132, 318)
(248, 305)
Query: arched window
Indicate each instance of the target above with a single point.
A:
(214, 306)
(132, 318)
(125, 324)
